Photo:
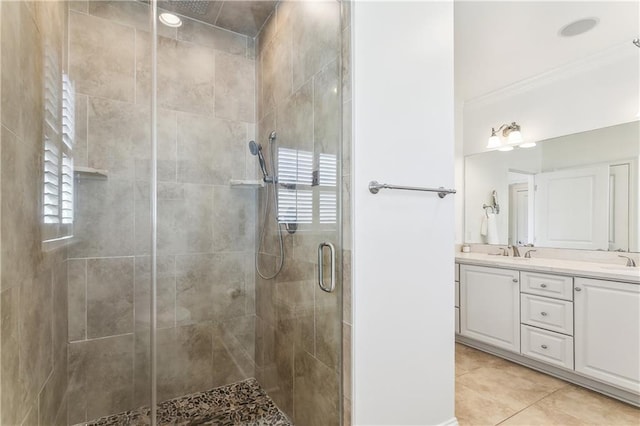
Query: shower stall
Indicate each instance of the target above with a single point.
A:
(172, 212)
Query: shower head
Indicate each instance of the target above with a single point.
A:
(256, 149)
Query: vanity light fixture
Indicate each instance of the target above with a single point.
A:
(170, 20)
(513, 135)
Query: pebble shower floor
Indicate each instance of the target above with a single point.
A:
(242, 403)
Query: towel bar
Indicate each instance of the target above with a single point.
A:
(375, 187)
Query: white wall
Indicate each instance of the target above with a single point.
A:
(403, 341)
(598, 91)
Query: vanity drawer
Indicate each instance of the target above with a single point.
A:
(457, 302)
(547, 313)
(557, 286)
(457, 321)
(547, 346)
(457, 272)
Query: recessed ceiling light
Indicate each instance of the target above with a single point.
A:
(170, 20)
(578, 27)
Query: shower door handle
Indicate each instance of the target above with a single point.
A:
(332, 252)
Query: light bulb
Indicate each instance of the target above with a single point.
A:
(515, 137)
(493, 142)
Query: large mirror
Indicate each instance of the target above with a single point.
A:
(578, 191)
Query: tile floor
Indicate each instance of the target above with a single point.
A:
(493, 391)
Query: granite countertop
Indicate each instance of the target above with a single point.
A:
(608, 271)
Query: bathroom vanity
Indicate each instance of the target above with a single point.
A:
(579, 321)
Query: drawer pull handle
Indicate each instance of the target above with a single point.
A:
(543, 285)
(544, 314)
(544, 346)
(578, 289)
(515, 280)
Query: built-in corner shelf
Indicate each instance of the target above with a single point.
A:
(90, 173)
(246, 183)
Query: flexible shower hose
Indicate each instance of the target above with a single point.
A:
(264, 222)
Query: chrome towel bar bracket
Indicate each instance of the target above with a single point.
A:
(375, 187)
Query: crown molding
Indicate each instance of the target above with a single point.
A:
(616, 53)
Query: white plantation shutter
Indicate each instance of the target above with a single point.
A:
(66, 210)
(295, 168)
(327, 196)
(51, 191)
(295, 193)
(59, 127)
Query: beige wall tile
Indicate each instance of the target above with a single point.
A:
(276, 77)
(294, 309)
(109, 296)
(346, 286)
(245, 17)
(328, 325)
(295, 120)
(213, 37)
(13, 406)
(166, 292)
(184, 362)
(80, 147)
(11, 78)
(316, 26)
(104, 218)
(102, 57)
(100, 377)
(346, 361)
(235, 88)
(234, 217)
(130, 13)
(50, 400)
(20, 221)
(346, 63)
(210, 150)
(77, 293)
(326, 110)
(209, 287)
(185, 75)
(317, 393)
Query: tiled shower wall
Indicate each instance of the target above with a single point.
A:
(298, 330)
(206, 306)
(33, 320)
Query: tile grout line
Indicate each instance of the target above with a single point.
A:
(532, 404)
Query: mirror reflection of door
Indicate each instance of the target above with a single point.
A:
(518, 214)
(619, 175)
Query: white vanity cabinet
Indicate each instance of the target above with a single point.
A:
(490, 306)
(457, 298)
(607, 331)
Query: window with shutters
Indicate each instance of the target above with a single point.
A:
(58, 134)
(296, 195)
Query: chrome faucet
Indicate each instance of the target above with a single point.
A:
(527, 255)
(630, 261)
(516, 252)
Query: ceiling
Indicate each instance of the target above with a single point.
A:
(244, 17)
(501, 43)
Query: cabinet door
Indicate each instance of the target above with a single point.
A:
(607, 332)
(490, 306)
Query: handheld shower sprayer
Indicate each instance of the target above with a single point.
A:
(256, 149)
(272, 191)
